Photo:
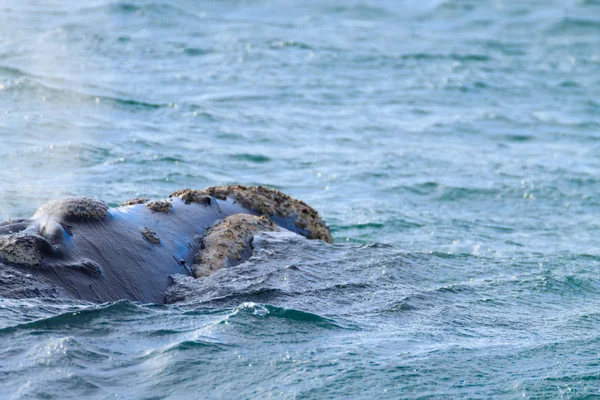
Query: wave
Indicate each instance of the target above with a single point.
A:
(451, 56)
(166, 10)
(77, 315)
(250, 310)
(253, 158)
(573, 25)
(27, 82)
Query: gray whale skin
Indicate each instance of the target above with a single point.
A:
(79, 248)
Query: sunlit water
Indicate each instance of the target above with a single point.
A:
(452, 146)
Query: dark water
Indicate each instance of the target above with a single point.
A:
(453, 147)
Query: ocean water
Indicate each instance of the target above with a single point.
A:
(452, 146)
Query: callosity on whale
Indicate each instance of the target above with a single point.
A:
(77, 247)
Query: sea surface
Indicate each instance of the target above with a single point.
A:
(453, 146)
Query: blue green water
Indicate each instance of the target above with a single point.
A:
(452, 146)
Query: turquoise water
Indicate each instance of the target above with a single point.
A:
(452, 146)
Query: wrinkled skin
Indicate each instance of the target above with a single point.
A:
(129, 253)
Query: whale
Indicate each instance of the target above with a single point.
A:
(79, 248)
